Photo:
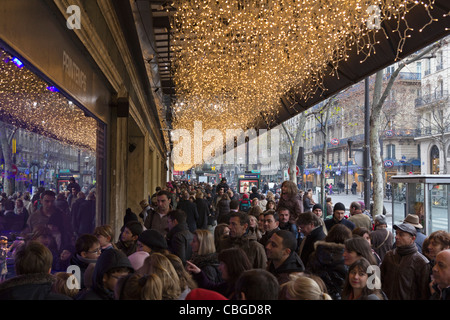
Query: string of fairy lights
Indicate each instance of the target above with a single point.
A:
(28, 102)
(235, 59)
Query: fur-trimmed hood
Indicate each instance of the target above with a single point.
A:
(329, 253)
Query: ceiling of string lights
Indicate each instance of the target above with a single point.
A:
(28, 102)
(256, 63)
(235, 60)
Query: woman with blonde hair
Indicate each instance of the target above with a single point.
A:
(301, 287)
(186, 282)
(253, 227)
(159, 264)
(204, 254)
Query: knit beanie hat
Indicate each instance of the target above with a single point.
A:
(317, 206)
(339, 206)
(204, 294)
(129, 216)
(135, 227)
(153, 239)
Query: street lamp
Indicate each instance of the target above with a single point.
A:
(350, 143)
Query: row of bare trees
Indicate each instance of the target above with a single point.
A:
(438, 124)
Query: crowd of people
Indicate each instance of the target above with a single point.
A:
(208, 242)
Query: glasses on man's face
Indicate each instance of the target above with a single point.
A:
(96, 251)
(118, 276)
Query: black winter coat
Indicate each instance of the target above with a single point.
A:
(191, 213)
(203, 213)
(86, 220)
(36, 286)
(308, 248)
(292, 264)
(327, 262)
(108, 260)
(209, 264)
(179, 240)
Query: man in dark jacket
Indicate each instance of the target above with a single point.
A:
(191, 211)
(86, 215)
(311, 227)
(283, 260)
(203, 210)
(239, 237)
(111, 265)
(339, 217)
(223, 184)
(271, 225)
(33, 281)
(254, 194)
(179, 237)
(405, 272)
(286, 223)
(87, 251)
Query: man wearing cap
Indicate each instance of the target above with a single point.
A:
(413, 219)
(128, 238)
(339, 217)
(405, 272)
(318, 211)
(222, 185)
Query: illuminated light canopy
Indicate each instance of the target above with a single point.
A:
(28, 102)
(236, 59)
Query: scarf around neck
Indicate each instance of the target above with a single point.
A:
(407, 250)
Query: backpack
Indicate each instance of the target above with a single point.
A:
(244, 205)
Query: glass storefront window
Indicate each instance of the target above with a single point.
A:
(439, 210)
(427, 196)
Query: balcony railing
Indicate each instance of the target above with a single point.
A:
(428, 131)
(431, 98)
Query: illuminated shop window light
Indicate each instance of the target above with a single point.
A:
(18, 63)
(52, 89)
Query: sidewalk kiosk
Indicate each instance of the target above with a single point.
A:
(424, 195)
(249, 180)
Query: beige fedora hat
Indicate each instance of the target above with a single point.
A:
(413, 219)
